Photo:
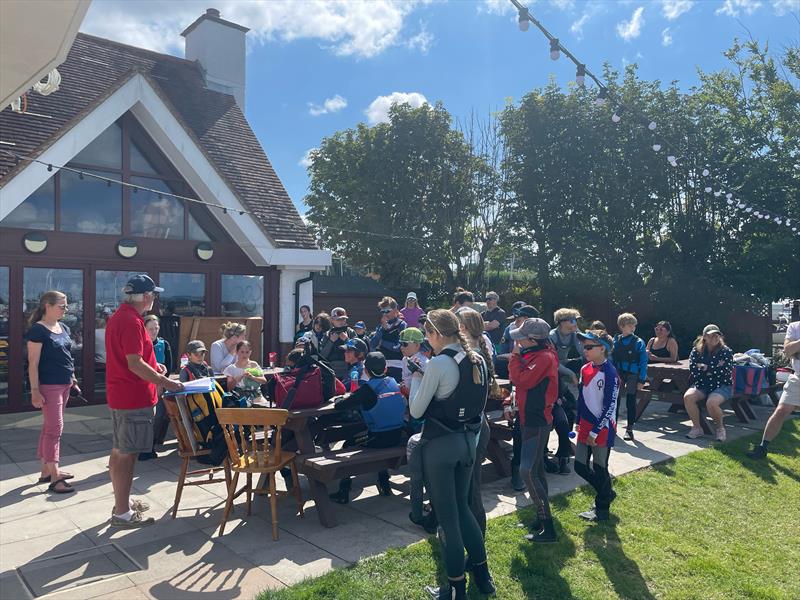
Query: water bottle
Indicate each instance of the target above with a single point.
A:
(184, 360)
(353, 380)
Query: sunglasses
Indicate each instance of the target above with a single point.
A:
(63, 306)
(386, 311)
(405, 344)
(591, 346)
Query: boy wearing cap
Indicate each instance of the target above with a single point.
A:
(361, 331)
(331, 347)
(386, 338)
(534, 373)
(383, 409)
(355, 351)
(197, 367)
(597, 408)
(414, 360)
(630, 360)
(411, 311)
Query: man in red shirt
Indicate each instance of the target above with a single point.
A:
(534, 372)
(132, 380)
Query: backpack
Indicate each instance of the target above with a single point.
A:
(299, 388)
(205, 426)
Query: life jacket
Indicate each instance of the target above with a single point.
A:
(461, 410)
(205, 426)
(159, 349)
(626, 354)
(390, 408)
(299, 388)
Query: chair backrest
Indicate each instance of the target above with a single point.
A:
(184, 446)
(239, 427)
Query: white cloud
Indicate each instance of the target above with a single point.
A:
(331, 105)
(577, 27)
(378, 110)
(731, 8)
(361, 28)
(421, 41)
(782, 7)
(666, 37)
(672, 9)
(307, 159)
(496, 7)
(629, 30)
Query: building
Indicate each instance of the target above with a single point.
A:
(174, 126)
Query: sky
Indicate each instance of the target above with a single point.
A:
(315, 67)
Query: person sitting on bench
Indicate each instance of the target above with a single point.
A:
(383, 409)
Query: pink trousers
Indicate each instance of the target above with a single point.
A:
(55, 401)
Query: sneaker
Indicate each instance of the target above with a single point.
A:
(139, 506)
(628, 435)
(694, 433)
(757, 453)
(134, 522)
(595, 514)
(722, 435)
(425, 522)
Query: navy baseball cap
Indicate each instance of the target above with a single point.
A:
(356, 344)
(139, 284)
(515, 310)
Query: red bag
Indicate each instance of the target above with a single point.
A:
(299, 388)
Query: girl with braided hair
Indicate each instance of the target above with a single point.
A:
(451, 398)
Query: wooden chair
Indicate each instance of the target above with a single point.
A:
(186, 453)
(251, 455)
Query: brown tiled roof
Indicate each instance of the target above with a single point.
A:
(96, 67)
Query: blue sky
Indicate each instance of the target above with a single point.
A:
(317, 67)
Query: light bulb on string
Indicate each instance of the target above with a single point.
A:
(580, 75)
(708, 189)
(652, 126)
(741, 204)
(602, 96)
(749, 209)
(656, 147)
(616, 118)
(705, 172)
(524, 23)
(672, 160)
(779, 222)
(555, 51)
(729, 201)
(729, 195)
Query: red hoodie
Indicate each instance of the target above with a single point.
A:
(535, 378)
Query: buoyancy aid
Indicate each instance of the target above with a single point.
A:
(390, 407)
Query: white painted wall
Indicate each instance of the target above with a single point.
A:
(288, 302)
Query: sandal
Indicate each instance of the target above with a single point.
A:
(63, 476)
(67, 489)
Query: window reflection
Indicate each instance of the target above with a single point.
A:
(184, 294)
(155, 217)
(4, 349)
(89, 205)
(104, 151)
(243, 295)
(37, 211)
(138, 161)
(35, 282)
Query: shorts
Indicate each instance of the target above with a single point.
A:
(585, 427)
(725, 391)
(791, 391)
(629, 382)
(133, 430)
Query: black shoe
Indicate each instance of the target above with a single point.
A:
(563, 466)
(516, 480)
(546, 536)
(757, 453)
(628, 435)
(483, 579)
(550, 465)
(452, 590)
(428, 524)
(147, 455)
(340, 497)
(384, 489)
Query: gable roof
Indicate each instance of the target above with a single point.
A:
(95, 67)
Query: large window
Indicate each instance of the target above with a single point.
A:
(88, 205)
(37, 211)
(104, 151)
(242, 295)
(155, 215)
(35, 282)
(4, 349)
(184, 294)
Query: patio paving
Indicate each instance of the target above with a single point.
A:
(184, 557)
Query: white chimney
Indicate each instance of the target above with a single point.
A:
(220, 47)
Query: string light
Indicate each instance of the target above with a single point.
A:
(604, 94)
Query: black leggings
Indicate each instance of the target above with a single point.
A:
(597, 476)
(447, 462)
(563, 426)
(534, 444)
(475, 498)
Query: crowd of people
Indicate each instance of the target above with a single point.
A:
(420, 379)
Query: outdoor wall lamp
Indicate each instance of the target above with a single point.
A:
(35, 242)
(204, 251)
(127, 248)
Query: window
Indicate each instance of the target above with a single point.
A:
(104, 151)
(154, 216)
(37, 211)
(139, 163)
(184, 294)
(36, 282)
(89, 205)
(4, 303)
(243, 295)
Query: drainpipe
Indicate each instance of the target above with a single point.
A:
(297, 285)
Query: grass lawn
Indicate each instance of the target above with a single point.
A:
(712, 524)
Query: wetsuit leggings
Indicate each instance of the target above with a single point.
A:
(447, 462)
(563, 426)
(415, 475)
(534, 442)
(597, 474)
(475, 498)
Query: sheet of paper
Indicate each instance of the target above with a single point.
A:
(195, 386)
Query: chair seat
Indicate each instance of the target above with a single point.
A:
(256, 462)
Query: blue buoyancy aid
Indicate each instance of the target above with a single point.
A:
(390, 408)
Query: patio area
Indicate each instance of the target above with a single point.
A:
(55, 544)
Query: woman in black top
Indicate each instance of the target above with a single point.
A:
(52, 374)
(663, 347)
(306, 323)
